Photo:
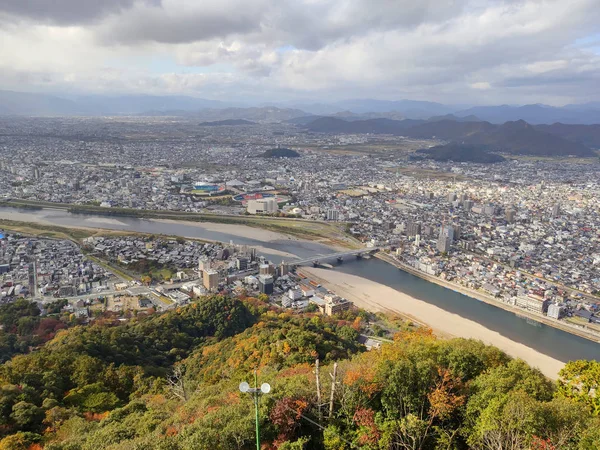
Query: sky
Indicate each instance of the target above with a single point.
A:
(450, 51)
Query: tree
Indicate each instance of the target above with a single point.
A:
(580, 381)
(27, 416)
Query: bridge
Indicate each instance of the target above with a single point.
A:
(339, 256)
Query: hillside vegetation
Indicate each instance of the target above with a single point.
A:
(170, 382)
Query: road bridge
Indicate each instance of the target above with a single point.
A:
(338, 255)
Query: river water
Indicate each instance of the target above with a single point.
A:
(545, 339)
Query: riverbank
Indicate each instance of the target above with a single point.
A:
(376, 297)
(491, 300)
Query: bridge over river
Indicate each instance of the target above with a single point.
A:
(315, 260)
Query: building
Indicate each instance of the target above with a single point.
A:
(265, 284)
(335, 304)
(510, 215)
(444, 243)
(262, 206)
(241, 263)
(210, 279)
(206, 187)
(555, 311)
(556, 211)
(533, 304)
(489, 210)
(413, 228)
(468, 205)
(333, 214)
(451, 196)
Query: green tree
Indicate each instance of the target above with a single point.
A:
(27, 416)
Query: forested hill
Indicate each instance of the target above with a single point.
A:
(170, 382)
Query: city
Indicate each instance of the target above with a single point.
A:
(299, 225)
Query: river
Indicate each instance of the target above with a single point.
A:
(545, 339)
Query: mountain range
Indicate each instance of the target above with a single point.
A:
(36, 104)
(514, 137)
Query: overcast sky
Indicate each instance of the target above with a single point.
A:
(451, 51)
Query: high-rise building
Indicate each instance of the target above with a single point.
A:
(264, 269)
(468, 205)
(456, 232)
(333, 214)
(444, 241)
(510, 215)
(265, 284)
(241, 263)
(556, 211)
(36, 173)
(451, 196)
(555, 311)
(210, 279)
(413, 228)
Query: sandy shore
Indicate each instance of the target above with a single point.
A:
(376, 297)
(243, 231)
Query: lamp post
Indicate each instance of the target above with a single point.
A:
(265, 388)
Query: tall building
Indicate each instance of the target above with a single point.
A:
(556, 211)
(444, 242)
(265, 284)
(468, 205)
(451, 196)
(263, 206)
(456, 232)
(555, 311)
(333, 214)
(510, 215)
(210, 279)
(413, 228)
(241, 263)
(36, 173)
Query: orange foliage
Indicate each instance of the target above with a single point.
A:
(357, 325)
(95, 417)
(443, 399)
(35, 447)
(171, 431)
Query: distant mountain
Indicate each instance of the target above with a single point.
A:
(21, 103)
(454, 118)
(227, 122)
(31, 104)
(536, 114)
(458, 152)
(409, 108)
(448, 130)
(588, 135)
(374, 126)
(268, 114)
(521, 138)
(280, 153)
(303, 120)
(518, 137)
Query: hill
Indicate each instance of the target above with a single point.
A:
(170, 382)
(227, 122)
(280, 153)
(373, 126)
(536, 114)
(460, 153)
(588, 135)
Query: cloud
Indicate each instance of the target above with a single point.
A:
(64, 12)
(447, 50)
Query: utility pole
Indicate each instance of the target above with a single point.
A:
(333, 377)
(318, 390)
(265, 388)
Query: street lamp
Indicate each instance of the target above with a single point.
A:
(265, 388)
